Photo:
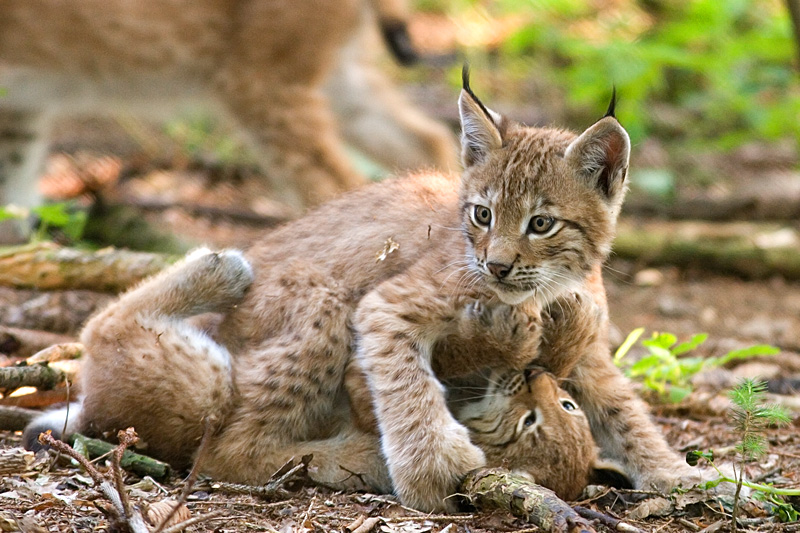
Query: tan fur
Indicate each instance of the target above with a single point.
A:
(322, 289)
(149, 366)
(274, 68)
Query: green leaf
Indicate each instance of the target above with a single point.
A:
(53, 214)
(645, 365)
(752, 351)
(690, 345)
(625, 347)
(677, 394)
(661, 340)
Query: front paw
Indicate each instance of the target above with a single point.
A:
(504, 328)
(689, 478)
(428, 479)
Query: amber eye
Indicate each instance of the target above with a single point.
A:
(569, 405)
(482, 215)
(540, 224)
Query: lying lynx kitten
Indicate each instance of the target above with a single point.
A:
(277, 69)
(394, 272)
(168, 376)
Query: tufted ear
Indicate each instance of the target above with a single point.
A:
(480, 127)
(609, 474)
(601, 155)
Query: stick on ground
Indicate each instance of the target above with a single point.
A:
(497, 488)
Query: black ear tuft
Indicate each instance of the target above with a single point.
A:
(612, 105)
(465, 78)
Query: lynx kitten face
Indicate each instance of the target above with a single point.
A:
(539, 206)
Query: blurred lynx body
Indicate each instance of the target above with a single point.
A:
(402, 284)
(276, 69)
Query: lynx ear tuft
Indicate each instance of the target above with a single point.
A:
(600, 156)
(480, 126)
(612, 105)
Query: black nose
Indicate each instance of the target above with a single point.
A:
(500, 270)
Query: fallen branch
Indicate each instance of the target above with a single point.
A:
(497, 488)
(140, 465)
(47, 266)
(21, 342)
(41, 376)
(750, 250)
(36, 400)
(64, 351)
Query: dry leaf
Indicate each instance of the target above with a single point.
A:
(159, 510)
(388, 247)
(651, 507)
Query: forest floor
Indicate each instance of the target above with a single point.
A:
(734, 312)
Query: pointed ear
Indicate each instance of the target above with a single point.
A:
(480, 126)
(609, 474)
(600, 156)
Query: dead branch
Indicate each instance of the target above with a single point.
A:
(609, 521)
(497, 488)
(745, 249)
(64, 351)
(21, 342)
(38, 399)
(41, 376)
(48, 266)
(15, 418)
(140, 465)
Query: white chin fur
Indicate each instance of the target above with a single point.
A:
(513, 298)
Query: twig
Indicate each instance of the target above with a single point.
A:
(274, 487)
(608, 521)
(133, 521)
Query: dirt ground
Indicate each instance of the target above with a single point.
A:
(734, 312)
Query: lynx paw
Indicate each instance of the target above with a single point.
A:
(428, 481)
(506, 328)
(218, 277)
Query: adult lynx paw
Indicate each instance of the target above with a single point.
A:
(686, 478)
(505, 329)
(428, 480)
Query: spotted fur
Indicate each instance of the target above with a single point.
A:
(483, 263)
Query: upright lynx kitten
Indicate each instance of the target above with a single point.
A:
(405, 273)
(275, 68)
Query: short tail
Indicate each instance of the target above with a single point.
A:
(62, 423)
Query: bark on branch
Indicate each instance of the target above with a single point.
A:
(497, 488)
(750, 250)
(48, 266)
(41, 376)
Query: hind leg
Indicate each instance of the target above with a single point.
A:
(148, 368)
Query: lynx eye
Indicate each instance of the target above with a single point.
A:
(529, 420)
(569, 405)
(540, 224)
(482, 215)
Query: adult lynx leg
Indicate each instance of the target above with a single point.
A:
(23, 148)
(380, 121)
(150, 369)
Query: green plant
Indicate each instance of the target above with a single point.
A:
(62, 216)
(667, 369)
(751, 416)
